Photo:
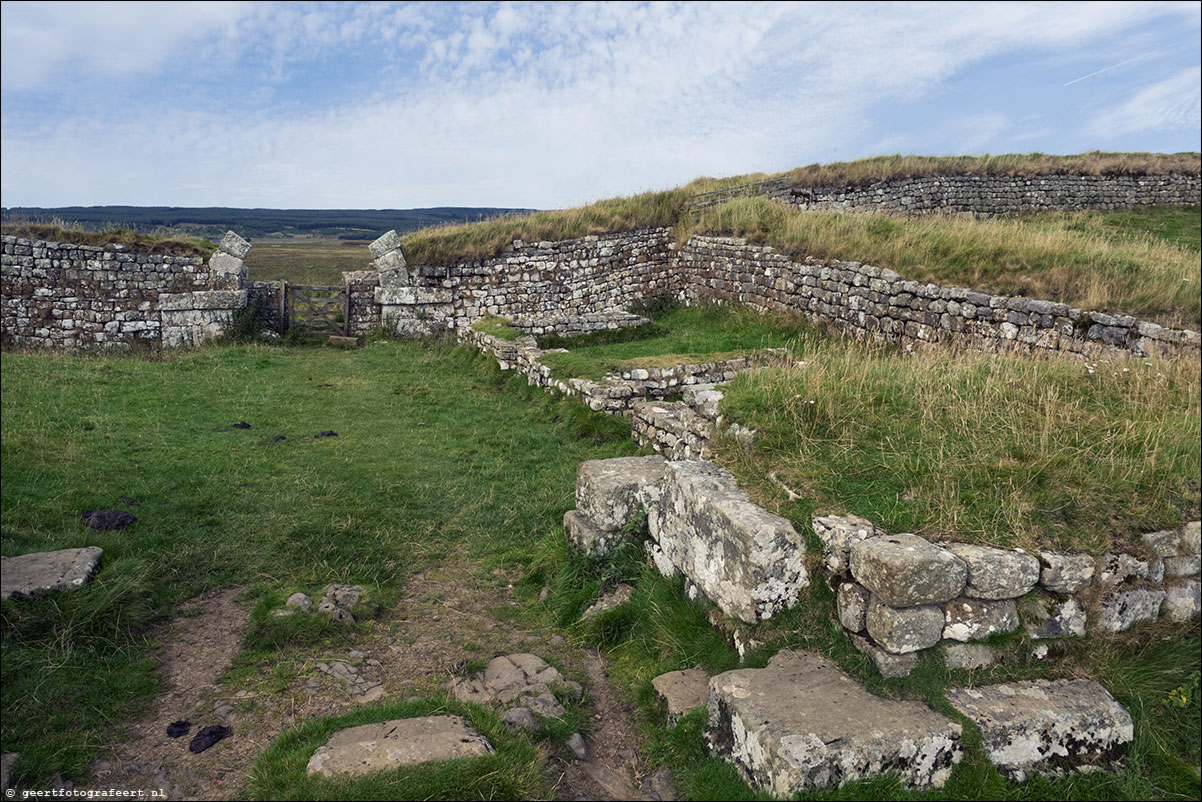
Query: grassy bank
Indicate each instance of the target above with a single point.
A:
(1141, 262)
(133, 240)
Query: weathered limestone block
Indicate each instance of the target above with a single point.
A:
(1065, 573)
(1184, 565)
(613, 492)
(905, 570)
(800, 723)
(838, 533)
(852, 602)
(1120, 610)
(904, 629)
(1165, 543)
(746, 560)
(968, 619)
(1182, 600)
(587, 537)
(401, 742)
(385, 244)
(1065, 618)
(682, 691)
(41, 573)
(1046, 726)
(996, 573)
(968, 655)
(1117, 568)
(234, 245)
(889, 665)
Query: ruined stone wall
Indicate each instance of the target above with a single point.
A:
(63, 295)
(80, 296)
(266, 296)
(572, 278)
(899, 594)
(877, 303)
(992, 195)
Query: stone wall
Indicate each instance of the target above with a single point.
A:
(991, 195)
(899, 594)
(535, 281)
(266, 296)
(877, 303)
(63, 295)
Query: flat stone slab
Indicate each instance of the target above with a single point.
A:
(1046, 726)
(682, 691)
(45, 572)
(400, 742)
(802, 723)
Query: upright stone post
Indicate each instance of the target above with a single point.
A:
(227, 267)
(390, 260)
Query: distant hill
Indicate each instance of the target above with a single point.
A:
(213, 221)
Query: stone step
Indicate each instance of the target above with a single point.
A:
(801, 723)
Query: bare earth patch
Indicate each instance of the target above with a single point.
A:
(448, 617)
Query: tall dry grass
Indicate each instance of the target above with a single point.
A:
(62, 231)
(1066, 257)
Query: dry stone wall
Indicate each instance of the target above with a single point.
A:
(876, 303)
(900, 594)
(63, 295)
(992, 195)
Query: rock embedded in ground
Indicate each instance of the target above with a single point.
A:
(1065, 573)
(800, 723)
(300, 602)
(996, 573)
(969, 655)
(890, 665)
(42, 573)
(746, 560)
(612, 492)
(345, 596)
(614, 598)
(520, 718)
(401, 742)
(506, 678)
(968, 619)
(108, 519)
(682, 691)
(1046, 726)
(906, 571)
(904, 629)
(577, 746)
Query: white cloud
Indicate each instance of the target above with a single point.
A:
(551, 104)
(1175, 102)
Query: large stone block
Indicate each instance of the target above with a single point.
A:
(905, 570)
(1046, 726)
(682, 691)
(996, 573)
(401, 742)
(1182, 600)
(800, 724)
(612, 492)
(46, 572)
(386, 243)
(852, 603)
(746, 560)
(838, 533)
(1058, 619)
(1065, 573)
(904, 629)
(968, 619)
(234, 245)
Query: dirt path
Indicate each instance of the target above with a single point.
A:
(448, 616)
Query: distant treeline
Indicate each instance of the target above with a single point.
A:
(213, 221)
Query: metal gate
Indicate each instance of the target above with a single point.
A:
(315, 310)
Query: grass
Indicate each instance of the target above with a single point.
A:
(680, 335)
(497, 327)
(421, 429)
(1090, 260)
(133, 240)
(1000, 450)
(473, 241)
(306, 261)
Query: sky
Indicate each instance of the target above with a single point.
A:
(550, 105)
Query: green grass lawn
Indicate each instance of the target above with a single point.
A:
(437, 450)
(677, 335)
(306, 261)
